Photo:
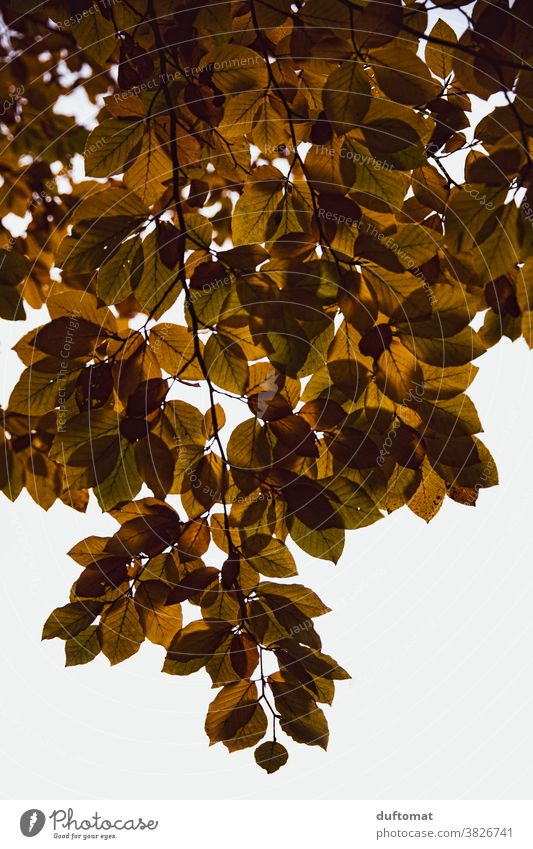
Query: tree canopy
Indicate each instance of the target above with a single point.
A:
(287, 217)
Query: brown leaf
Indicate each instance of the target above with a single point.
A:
(148, 396)
(69, 337)
(235, 717)
(301, 719)
(244, 655)
(193, 646)
(193, 539)
(271, 756)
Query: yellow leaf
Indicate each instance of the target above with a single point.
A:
(414, 244)
(174, 349)
(398, 374)
(271, 756)
(239, 114)
(226, 363)
(439, 57)
(110, 145)
(122, 482)
(149, 170)
(403, 76)
(428, 498)
(401, 486)
(193, 646)
(160, 621)
(252, 211)
(82, 648)
(235, 68)
(346, 96)
(120, 630)
(67, 621)
(440, 384)
(159, 286)
(235, 717)
(301, 719)
(500, 250)
(118, 275)
(95, 34)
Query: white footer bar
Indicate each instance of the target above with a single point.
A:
(266, 824)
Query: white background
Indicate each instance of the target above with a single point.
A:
(293, 825)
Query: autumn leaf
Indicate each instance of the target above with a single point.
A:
(82, 648)
(235, 717)
(120, 631)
